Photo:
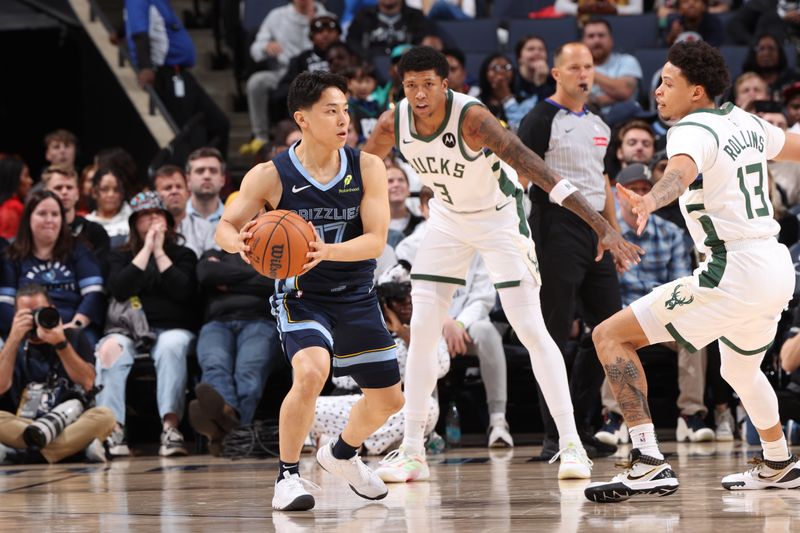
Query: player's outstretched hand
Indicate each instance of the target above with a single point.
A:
(318, 251)
(626, 254)
(243, 238)
(642, 206)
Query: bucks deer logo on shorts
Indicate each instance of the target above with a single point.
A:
(449, 140)
(678, 299)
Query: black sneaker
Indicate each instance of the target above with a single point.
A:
(594, 448)
(643, 475)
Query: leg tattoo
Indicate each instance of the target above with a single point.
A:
(629, 385)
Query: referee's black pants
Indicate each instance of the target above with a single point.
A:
(572, 280)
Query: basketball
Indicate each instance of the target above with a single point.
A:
(279, 244)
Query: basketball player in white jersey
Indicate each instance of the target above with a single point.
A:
(459, 149)
(718, 169)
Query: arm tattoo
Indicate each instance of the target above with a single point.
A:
(630, 389)
(510, 149)
(530, 166)
(668, 188)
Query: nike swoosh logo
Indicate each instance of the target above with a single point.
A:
(773, 476)
(502, 206)
(643, 475)
(569, 130)
(298, 189)
(406, 141)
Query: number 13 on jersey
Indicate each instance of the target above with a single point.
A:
(748, 176)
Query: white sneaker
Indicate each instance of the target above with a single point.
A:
(399, 467)
(723, 420)
(172, 443)
(575, 464)
(361, 479)
(644, 475)
(499, 436)
(693, 429)
(95, 452)
(766, 475)
(116, 443)
(614, 430)
(291, 493)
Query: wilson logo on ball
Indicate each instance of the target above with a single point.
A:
(275, 259)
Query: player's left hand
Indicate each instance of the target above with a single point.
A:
(318, 251)
(626, 254)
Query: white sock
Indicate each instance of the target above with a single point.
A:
(414, 438)
(497, 419)
(776, 450)
(643, 438)
(567, 432)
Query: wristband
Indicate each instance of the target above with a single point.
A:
(560, 192)
(61, 345)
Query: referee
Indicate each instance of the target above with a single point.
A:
(573, 142)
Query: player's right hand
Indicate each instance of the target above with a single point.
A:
(242, 238)
(626, 254)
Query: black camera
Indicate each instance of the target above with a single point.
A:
(46, 317)
(393, 291)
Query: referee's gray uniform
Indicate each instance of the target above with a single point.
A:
(574, 146)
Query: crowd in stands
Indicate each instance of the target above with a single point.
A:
(132, 267)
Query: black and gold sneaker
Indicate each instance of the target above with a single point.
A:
(643, 475)
(766, 475)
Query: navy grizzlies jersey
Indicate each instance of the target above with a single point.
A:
(335, 210)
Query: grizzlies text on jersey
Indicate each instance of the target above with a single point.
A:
(338, 221)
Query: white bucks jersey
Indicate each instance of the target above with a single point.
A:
(729, 200)
(462, 180)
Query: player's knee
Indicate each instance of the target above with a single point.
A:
(736, 375)
(604, 339)
(394, 402)
(309, 380)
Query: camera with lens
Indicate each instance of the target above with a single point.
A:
(44, 317)
(393, 291)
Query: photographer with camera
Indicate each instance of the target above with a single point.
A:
(48, 370)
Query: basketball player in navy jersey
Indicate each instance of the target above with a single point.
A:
(332, 308)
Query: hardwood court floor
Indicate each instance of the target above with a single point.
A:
(471, 490)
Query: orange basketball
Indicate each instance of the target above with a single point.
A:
(279, 244)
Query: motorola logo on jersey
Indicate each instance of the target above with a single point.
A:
(449, 140)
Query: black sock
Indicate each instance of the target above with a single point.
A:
(292, 468)
(342, 450)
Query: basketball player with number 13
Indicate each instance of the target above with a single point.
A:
(331, 308)
(459, 150)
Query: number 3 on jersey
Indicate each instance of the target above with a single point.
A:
(747, 177)
(445, 194)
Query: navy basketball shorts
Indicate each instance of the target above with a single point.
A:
(350, 326)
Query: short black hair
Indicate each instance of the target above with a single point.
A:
(307, 88)
(701, 64)
(421, 58)
(456, 54)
